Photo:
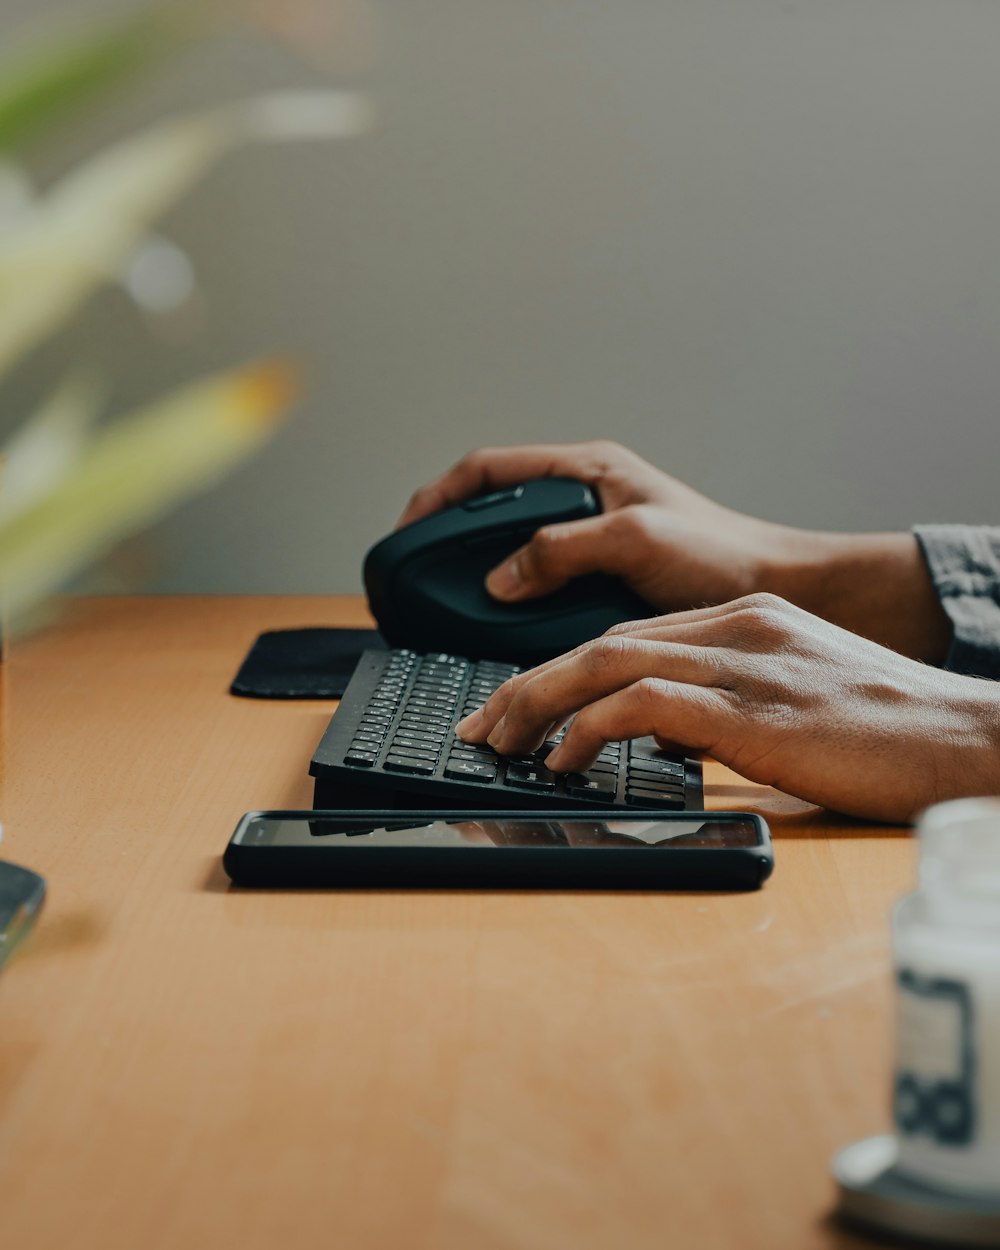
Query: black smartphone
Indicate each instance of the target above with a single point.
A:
(640, 850)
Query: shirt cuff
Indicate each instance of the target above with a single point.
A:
(964, 563)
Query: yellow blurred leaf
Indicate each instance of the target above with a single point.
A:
(134, 471)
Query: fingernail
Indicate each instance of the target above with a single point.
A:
(553, 758)
(496, 737)
(466, 728)
(505, 581)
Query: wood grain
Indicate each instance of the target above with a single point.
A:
(183, 1064)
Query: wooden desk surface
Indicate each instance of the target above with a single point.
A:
(187, 1065)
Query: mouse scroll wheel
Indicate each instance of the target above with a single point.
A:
(491, 501)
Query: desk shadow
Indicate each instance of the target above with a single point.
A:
(61, 934)
(15, 1060)
(216, 881)
(789, 817)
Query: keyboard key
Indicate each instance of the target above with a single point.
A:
(419, 722)
(430, 733)
(655, 768)
(406, 746)
(429, 707)
(602, 786)
(650, 781)
(420, 752)
(655, 786)
(360, 759)
(653, 798)
(461, 752)
(602, 767)
(530, 778)
(415, 745)
(470, 770)
(646, 748)
(408, 764)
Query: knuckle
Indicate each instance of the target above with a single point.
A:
(622, 524)
(762, 599)
(544, 549)
(649, 691)
(609, 651)
(767, 616)
(605, 449)
(635, 522)
(585, 727)
(472, 460)
(506, 691)
(530, 697)
(601, 460)
(423, 494)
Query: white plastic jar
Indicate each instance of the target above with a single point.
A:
(946, 939)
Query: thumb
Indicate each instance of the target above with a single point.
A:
(555, 555)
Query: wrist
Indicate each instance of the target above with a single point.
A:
(975, 743)
(876, 585)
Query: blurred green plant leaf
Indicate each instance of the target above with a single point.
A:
(47, 445)
(133, 472)
(78, 232)
(45, 82)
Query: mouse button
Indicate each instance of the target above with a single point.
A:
(442, 570)
(413, 540)
(502, 544)
(560, 496)
(456, 588)
(493, 499)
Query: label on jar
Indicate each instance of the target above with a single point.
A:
(935, 1095)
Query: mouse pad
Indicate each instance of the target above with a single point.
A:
(303, 663)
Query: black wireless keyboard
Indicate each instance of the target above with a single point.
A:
(391, 743)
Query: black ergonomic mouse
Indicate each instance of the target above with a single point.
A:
(425, 582)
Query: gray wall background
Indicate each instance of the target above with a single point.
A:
(757, 240)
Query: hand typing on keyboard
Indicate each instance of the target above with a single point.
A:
(782, 697)
(394, 733)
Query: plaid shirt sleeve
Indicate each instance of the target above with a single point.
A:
(964, 562)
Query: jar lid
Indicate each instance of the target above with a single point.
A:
(875, 1195)
(960, 845)
(965, 814)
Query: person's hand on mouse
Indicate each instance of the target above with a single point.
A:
(779, 695)
(678, 549)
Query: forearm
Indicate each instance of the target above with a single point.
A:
(876, 585)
